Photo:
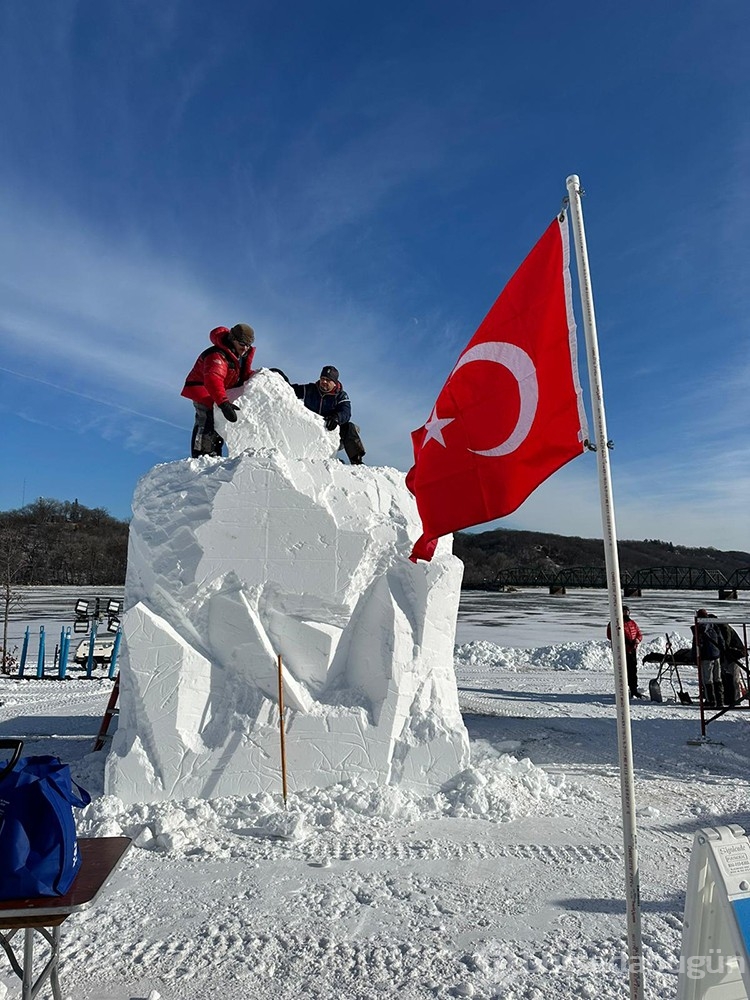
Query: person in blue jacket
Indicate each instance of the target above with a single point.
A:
(328, 397)
(707, 649)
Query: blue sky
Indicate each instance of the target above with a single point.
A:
(358, 182)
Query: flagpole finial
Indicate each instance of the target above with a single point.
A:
(573, 180)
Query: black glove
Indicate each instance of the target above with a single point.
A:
(229, 410)
(280, 372)
(332, 422)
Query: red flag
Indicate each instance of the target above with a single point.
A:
(511, 412)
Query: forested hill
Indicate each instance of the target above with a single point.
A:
(486, 553)
(61, 543)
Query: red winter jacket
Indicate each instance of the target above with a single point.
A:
(217, 369)
(632, 633)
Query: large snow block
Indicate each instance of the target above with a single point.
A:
(281, 550)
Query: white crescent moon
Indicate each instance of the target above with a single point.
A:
(521, 367)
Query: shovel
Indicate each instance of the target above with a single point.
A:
(682, 694)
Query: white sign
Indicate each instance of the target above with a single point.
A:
(715, 956)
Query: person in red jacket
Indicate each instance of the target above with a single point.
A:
(633, 638)
(228, 363)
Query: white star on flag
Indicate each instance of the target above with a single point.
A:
(434, 428)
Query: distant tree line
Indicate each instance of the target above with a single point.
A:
(62, 543)
(487, 554)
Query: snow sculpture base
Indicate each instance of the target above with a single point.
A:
(282, 549)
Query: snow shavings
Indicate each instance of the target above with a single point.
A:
(497, 789)
(591, 655)
(500, 790)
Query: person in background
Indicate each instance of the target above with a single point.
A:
(226, 364)
(732, 655)
(328, 398)
(633, 638)
(708, 646)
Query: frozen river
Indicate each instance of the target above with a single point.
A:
(524, 619)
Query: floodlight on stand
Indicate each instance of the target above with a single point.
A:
(81, 625)
(82, 608)
(113, 625)
(114, 607)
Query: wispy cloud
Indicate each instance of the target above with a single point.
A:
(57, 386)
(122, 326)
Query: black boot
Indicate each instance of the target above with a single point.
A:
(708, 696)
(729, 695)
(719, 694)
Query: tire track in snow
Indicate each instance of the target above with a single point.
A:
(439, 850)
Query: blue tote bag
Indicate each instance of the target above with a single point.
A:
(38, 845)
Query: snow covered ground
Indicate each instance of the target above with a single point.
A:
(507, 884)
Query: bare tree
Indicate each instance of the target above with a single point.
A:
(12, 564)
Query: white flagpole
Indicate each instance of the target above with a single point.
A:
(624, 739)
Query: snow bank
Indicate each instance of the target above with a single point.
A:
(281, 550)
(496, 788)
(593, 654)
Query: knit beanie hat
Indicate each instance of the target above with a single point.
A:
(243, 334)
(330, 372)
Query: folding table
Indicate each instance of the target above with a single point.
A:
(100, 856)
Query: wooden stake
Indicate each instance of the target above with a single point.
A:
(282, 734)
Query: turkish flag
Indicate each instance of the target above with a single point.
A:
(511, 412)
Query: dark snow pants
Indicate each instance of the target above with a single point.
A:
(351, 442)
(205, 440)
(631, 661)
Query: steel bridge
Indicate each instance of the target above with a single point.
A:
(632, 581)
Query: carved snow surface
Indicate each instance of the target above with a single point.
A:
(281, 549)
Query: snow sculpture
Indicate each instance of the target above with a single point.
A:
(282, 549)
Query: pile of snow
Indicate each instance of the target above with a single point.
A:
(594, 654)
(282, 550)
(591, 655)
(496, 788)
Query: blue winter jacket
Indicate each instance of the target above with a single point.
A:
(336, 402)
(710, 641)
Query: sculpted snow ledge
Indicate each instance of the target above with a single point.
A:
(235, 561)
